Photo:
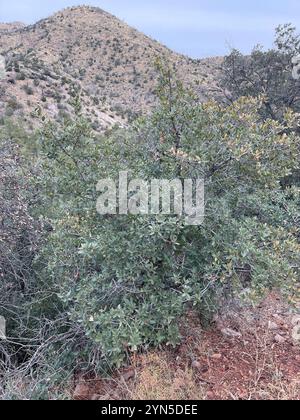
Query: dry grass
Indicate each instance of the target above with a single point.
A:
(159, 380)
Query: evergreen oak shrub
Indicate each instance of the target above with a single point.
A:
(125, 281)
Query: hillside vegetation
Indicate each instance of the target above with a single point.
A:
(87, 50)
(87, 295)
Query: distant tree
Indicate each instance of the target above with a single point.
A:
(271, 76)
(267, 73)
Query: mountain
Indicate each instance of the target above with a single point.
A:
(9, 27)
(87, 50)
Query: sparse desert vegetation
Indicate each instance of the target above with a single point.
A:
(86, 50)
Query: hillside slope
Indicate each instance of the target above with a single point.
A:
(9, 27)
(86, 49)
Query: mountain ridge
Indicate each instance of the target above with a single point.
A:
(88, 50)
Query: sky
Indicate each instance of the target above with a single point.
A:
(198, 28)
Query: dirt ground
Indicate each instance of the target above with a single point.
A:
(247, 354)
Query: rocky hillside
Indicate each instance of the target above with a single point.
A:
(9, 27)
(87, 50)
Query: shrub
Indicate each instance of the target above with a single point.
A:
(20, 76)
(127, 280)
(28, 89)
(13, 104)
(19, 238)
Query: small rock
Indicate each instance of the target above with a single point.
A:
(216, 356)
(204, 369)
(196, 365)
(296, 320)
(228, 332)
(296, 334)
(279, 318)
(129, 374)
(81, 391)
(216, 318)
(211, 395)
(272, 326)
(279, 339)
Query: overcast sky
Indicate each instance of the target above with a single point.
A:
(195, 27)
